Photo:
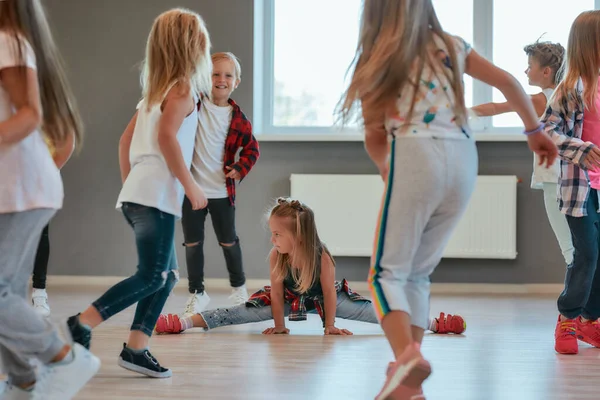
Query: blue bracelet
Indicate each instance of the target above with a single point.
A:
(536, 130)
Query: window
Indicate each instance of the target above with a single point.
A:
(304, 48)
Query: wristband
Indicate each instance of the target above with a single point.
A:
(536, 130)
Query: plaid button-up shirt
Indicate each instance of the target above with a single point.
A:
(300, 304)
(239, 137)
(564, 124)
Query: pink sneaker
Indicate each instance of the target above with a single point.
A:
(405, 376)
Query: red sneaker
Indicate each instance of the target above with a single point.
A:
(588, 332)
(405, 376)
(168, 323)
(565, 341)
(448, 324)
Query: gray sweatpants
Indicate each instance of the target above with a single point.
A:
(23, 333)
(429, 187)
(346, 308)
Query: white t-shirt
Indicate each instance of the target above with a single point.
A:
(541, 174)
(150, 182)
(207, 165)
(29, 179)
(433, 114)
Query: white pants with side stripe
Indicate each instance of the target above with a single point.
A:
(428, 189)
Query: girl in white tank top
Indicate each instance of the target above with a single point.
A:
(155, 155)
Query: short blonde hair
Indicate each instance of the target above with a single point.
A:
(226, 55)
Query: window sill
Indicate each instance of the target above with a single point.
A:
(480, 136)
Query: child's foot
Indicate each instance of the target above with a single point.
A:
(196, 304)
(62, 380)
(168, 323)
(79, 333)
(142, 362)
(565, 341)
(448, 324)
(405, 376)
(39, 298)
(239, 295)
(588, 332)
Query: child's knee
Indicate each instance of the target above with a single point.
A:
(229, 244)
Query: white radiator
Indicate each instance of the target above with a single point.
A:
(346, 209)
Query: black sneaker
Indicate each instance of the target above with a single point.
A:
(80, 334)
(143, 363)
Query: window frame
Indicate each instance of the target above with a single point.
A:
(264, 64)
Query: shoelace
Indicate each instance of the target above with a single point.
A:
(567, 328)
(238, 297)
(191, 306)
(154, 360)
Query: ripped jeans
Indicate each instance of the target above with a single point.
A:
(156, 273)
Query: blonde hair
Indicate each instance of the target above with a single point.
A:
(548, 55)
(394, 35)
(225, 55)
(60, 117)
(582, 61)
(307, 248)
(178, 50)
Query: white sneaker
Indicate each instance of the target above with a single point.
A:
(239, 295)
(39, 298)
(62, 380)
(15, 393)
(196, 304)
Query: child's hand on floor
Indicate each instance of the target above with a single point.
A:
(278, 330)
(332, 330)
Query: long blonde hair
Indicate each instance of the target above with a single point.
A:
(307, 245)
(178, 49)
(60, 117)
(582, 61)
(394, 35)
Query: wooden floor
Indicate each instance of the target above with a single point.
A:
(506, 353)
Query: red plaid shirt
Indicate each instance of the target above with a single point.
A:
(300, 304)
(239, 136)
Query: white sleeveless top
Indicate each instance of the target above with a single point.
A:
(150, 181)
(541, 174)
(29, 179)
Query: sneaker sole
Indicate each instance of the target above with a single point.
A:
(584, 339)
(144, 371)
(412, 374)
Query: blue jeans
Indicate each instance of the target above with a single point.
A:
(346, 308)
(581, 295)
(156, 272)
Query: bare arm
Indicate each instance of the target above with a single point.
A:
(539, 142)
(376, 145)
(481, 69)
(124, 145)
(327, 280)
(329, 293)
(277, 300)
(25, 98)
(177, 105)
(490, 109)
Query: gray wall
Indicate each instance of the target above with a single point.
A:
(103, 42)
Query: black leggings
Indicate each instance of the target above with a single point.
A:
(40, 268)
